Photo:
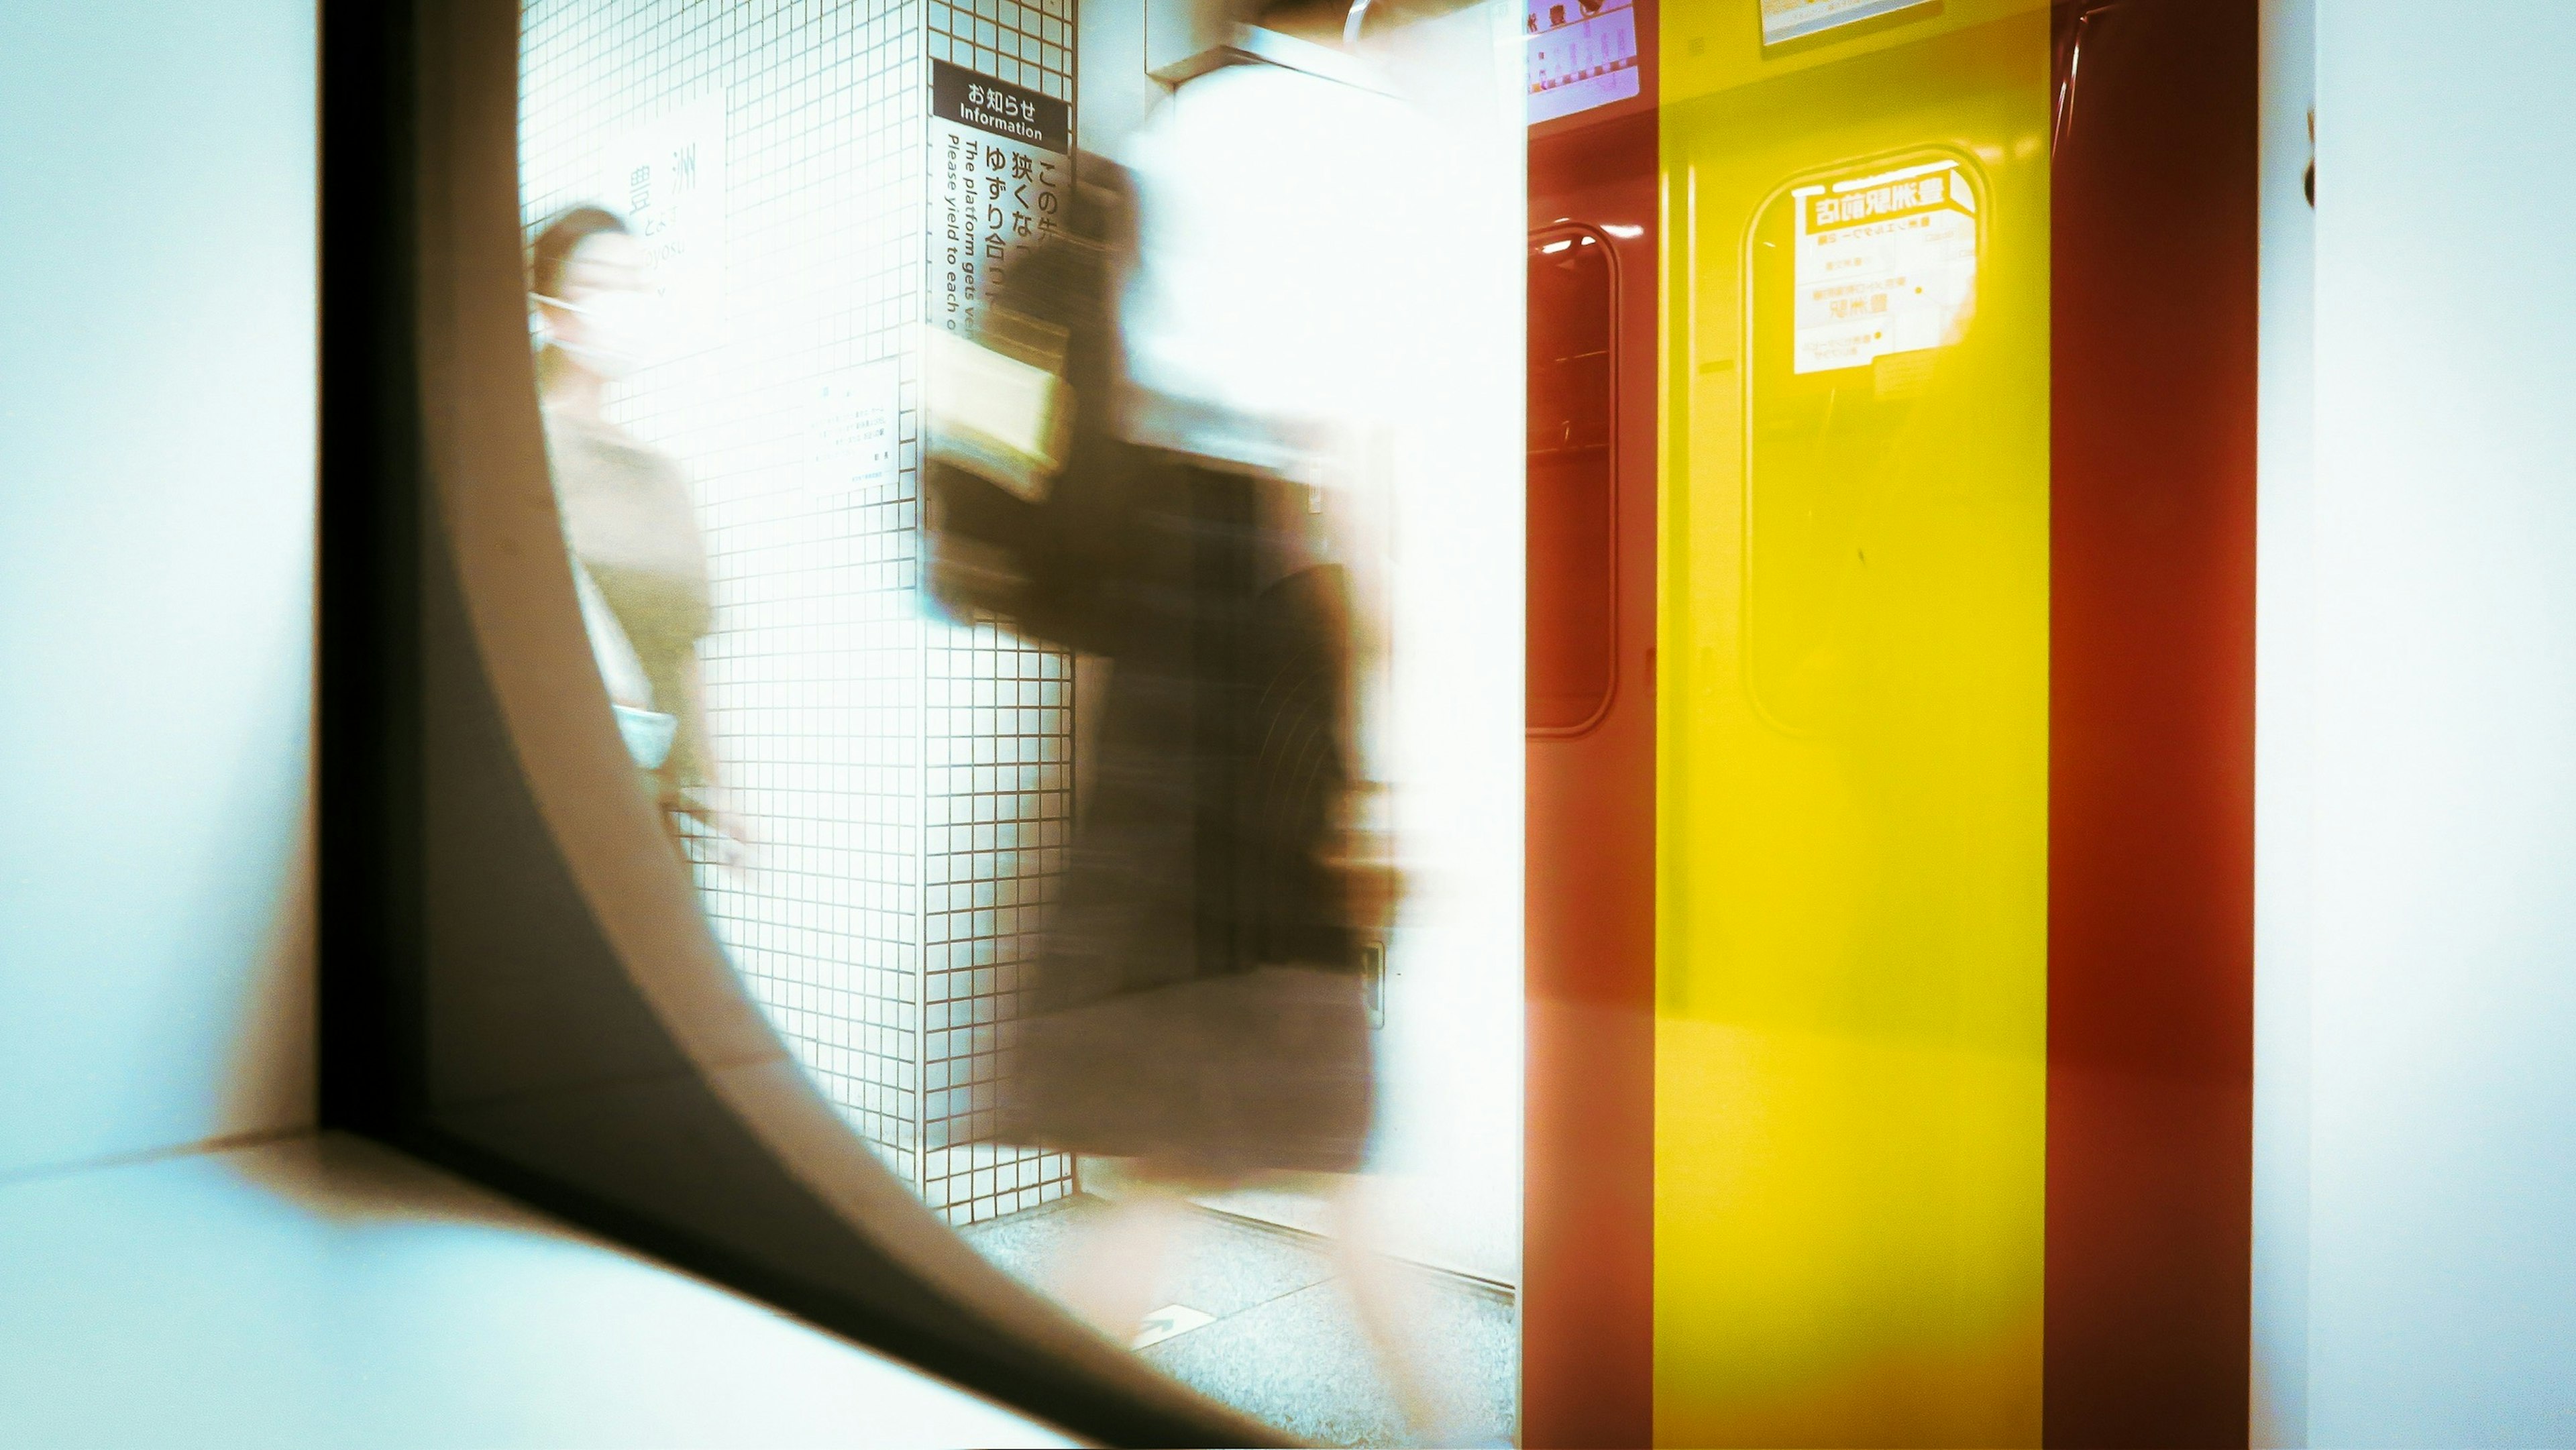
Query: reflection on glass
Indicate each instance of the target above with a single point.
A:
(882, 503)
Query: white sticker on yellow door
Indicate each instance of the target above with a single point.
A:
(1793, 19)
(1886, 264)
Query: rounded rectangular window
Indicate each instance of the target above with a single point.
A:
(1573, 619)
(1863, 284)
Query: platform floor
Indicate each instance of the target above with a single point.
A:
(1280, 1340)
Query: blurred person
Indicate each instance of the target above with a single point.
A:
(1199, 505)
(639, 562)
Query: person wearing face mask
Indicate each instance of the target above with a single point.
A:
(641, 563)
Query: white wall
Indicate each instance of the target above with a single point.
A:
(156, 573)
(2441, 1216)
(1114, 93)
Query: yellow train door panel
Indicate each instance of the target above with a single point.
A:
(1852, 974)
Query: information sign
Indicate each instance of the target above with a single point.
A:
(1581, 54)
(1001, 174)
(1886, 263)
(1791, 19)
(856, 429)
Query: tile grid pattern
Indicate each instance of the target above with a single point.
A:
(1027, 45)
(885, 765)
(1000, 780)
(1000, 807)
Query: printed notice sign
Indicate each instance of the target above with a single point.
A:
(1012, 112)
(1581, 54)
(855, 431)
(668, 178)
(1791, 19)
(1001, 175)
(1885, 264)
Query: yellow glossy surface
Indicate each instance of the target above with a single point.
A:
(1853, 636)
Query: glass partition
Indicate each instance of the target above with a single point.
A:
(789, 300)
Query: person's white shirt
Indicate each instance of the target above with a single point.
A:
(1268, 320)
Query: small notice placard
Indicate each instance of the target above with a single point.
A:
(1013, 112)
(855, 432)
(1886, 263)
(1792, 19)
(1580, 54)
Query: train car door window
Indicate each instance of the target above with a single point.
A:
(1573, 619)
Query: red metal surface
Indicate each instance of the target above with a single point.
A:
(1587, 1306)
(2151, 791)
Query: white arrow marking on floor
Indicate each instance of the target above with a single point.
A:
(1170, 1320)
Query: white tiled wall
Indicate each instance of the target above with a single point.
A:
(1027, 45)
(906, 781)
